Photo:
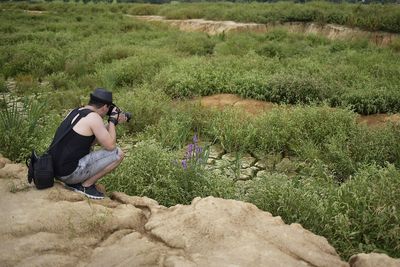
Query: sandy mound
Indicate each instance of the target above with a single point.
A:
(57, 227)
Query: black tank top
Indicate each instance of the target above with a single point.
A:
(67, 153)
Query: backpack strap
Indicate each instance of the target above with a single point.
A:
(78, 115)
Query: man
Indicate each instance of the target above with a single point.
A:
(74, 163)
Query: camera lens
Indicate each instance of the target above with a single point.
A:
(128, 116)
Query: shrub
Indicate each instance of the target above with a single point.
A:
(359, 216)
(77, 67)
(109, 53)
(194, 44)
(32, 59)
(19, 127)
(172, 130)
(371, 101)
(144, 9)
(146, 105)
(59, 101)
(133, 71)
(3, 85)
(295, 89)
(395, 45)
(236, 44)
(60, 81)
(234, 129)
(26, 84)
(274, 130)
(154, 172)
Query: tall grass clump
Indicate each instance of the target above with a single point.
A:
(360, 215)
(193, 44)
(172, 131)
(233, 129)
(20, 126)
(155, 172)
(3, 85)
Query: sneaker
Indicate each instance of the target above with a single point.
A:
(90, 192)
(74, 187)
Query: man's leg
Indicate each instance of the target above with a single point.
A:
(94, 166)
(92, 180)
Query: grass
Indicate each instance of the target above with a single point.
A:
(105, 47)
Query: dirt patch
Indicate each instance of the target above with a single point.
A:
(379, 119)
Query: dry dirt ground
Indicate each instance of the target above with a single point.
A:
(58, 227)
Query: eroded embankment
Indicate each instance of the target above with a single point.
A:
(331, 31)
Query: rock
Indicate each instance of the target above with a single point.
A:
(240, 235)
(286, 166)
(272, 160)
(260, 164)
(246, 174)
(210, 161)
(262, 173)
(247, 161)
(3, 162)
(217, 172)
(231, 157)
(216, 152)
(373, 260)
(15, 171)
(244, 177)
(229, 172)
(222, 163)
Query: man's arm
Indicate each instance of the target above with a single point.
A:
(106, 137)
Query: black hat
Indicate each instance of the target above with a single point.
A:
(102, 95)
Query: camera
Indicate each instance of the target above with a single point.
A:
(119, 111)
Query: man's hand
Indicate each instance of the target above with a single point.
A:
(120, 116)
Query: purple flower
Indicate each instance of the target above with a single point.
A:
(184, 164)
(189, 151)
(195, 139)
(198, 151)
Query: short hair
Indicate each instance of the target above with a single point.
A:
(95, 103)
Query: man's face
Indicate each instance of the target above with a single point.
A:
(104, 110)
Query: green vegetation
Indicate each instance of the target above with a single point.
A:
(372, 17)
(346, 175)
(19, 127)
(74, 50)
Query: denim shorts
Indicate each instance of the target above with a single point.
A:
(90, 165)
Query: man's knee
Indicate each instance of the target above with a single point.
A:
(120, 154)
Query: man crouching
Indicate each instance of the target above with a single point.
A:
(74, 163)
